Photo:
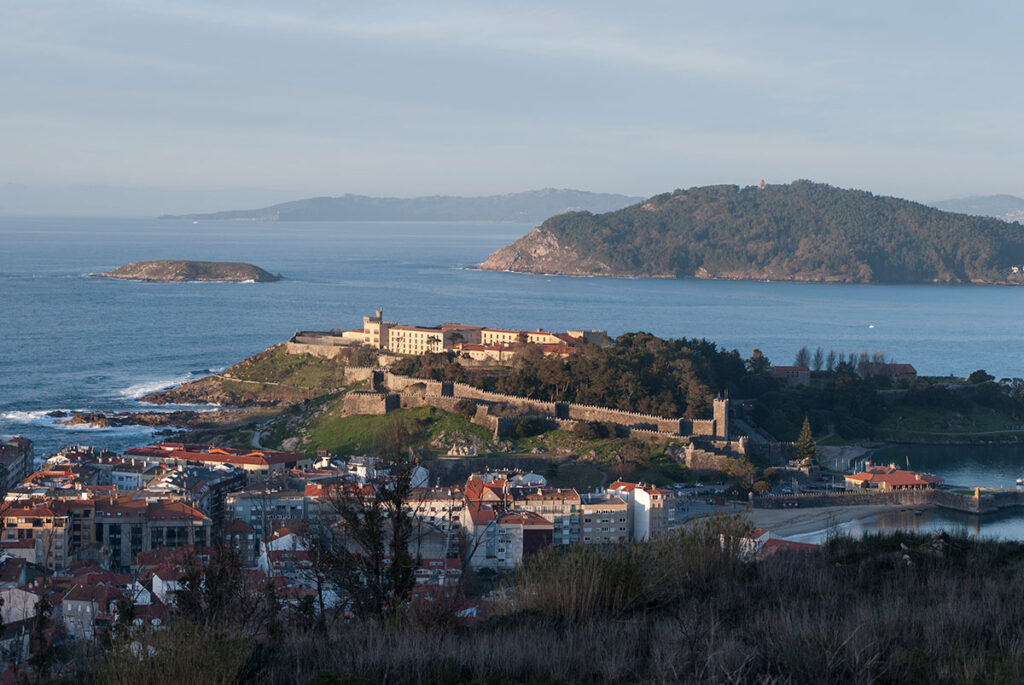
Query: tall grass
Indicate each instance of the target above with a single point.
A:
(888, 609)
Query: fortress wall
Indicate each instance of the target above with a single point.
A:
(462, 390)
(354, 374)
(436, 393)
(414, 399)
(702, 427)
(583, 412)
(324, 351)
(650, 436)
(362, 402)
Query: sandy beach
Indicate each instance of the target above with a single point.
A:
(788, 522)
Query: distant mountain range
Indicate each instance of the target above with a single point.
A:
(1005, 207)
(802, 231)
(533, 205)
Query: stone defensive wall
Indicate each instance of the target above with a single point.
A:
(984, 502)
(901, 497)
(354, 374)
(318, 338)
(324, 351)
(585, 412)
(369, 402)
(645, 427)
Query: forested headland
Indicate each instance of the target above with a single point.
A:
(802, 231)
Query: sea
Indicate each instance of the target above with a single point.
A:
(72, 342)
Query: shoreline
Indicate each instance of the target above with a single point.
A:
(784, 523)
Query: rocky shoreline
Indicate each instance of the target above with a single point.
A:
(181, 419)
(216, 390)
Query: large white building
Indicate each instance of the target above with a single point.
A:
(390, 336)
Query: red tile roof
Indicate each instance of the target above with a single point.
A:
(894, 477)
(213, 454)
(480, 514)
(523, 518)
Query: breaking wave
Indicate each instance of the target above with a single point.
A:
(134, 392)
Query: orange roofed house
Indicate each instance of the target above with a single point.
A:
(888, 478)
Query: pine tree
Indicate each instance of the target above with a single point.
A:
(803, 357)
(806, 448)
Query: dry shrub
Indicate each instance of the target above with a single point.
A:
(889, 609)
(180, 655)
(587, 582)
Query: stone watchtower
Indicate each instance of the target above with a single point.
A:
(375, 328)
(721, 406)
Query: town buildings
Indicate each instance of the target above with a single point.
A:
(258, 463)
(91, 528)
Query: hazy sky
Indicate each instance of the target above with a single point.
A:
(922, 100)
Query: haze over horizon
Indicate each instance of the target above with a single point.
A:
(201, 106)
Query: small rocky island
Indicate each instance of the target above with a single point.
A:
(179, 271)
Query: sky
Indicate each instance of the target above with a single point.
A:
(294, 99)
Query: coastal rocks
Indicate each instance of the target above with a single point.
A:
(104, 419)
(226, 393)
(182, 419)
(540, 252)
(178, 271)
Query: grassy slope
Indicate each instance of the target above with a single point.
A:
(275, 365)
(359, 434)
(607, 455)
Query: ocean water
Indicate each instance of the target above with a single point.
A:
(68, 341)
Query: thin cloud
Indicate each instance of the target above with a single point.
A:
(536, 33)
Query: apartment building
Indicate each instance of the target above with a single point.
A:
(604, 518)
(127, 526)
(560, 506)
(652, 510)
(46, 522)
(260, 509)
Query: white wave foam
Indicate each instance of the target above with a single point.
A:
(41, 418)
(36, 417)
(134, 392)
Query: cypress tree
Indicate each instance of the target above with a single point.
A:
(806, 448)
